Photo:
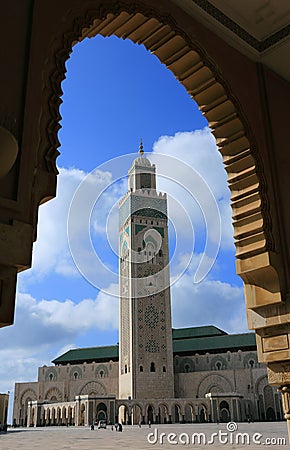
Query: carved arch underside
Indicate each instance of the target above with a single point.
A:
(258, 261)
(192, 67)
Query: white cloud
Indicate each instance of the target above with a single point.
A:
(51, 252)
(198, 150)
(211, 302)
(43, 318)
(208, 303)
(45, 329)
(94, 217)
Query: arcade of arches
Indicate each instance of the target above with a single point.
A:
(205, 391)
(237, 74)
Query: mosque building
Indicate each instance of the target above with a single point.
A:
(155, 373)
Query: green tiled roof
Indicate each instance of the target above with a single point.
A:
(196, 332)
(79, 355)
(215, 343)
(185, 341)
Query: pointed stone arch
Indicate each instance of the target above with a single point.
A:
(195, 71)
(260, 384)
(93, 388)
(53, 394)
(202, 78)
(214, 380)
(76, 373)
(28, 395)
(51, 374)
(261, 260)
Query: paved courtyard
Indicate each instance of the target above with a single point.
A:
(133, 437)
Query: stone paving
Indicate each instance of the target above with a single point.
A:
(133, 437)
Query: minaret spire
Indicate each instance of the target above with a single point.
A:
(141, 151)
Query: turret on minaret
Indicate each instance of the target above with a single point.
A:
(142, 173)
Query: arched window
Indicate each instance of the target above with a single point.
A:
(101, 373)
(218, 365)
(251, 363)
(51, 377)
(187, 368)
(164, 369)
(76, 375)
(152, 367)
(141, 368)
(126, 368)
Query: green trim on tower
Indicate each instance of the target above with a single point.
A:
(150, 213)
(139, 228)
(160, 230)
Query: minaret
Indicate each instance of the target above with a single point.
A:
(145, 356)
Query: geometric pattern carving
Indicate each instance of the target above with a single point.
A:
(75, 373)
(214, 382)
(102, 371)
(151, 316)
(28, 395)
(218, 363)
(250, 360)
(93, 388)
(261, 383)
(53, 394)
(186, 365)
(51, 374)
(152, 346)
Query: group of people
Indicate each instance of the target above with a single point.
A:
(118, 427)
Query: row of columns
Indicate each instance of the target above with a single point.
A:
(39, 414)
(81, 412)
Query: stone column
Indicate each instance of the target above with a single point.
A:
(285, 391)
(86, 413)
(28, 414)
(279, 375)
(77, 413)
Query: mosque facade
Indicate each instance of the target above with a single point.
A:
(155, 374)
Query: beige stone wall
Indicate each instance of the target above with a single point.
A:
(240, 372)
(260, 400)
(4, 398)
(220, 361)
(63, 383)
(23, 393)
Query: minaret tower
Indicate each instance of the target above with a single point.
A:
(145, 357)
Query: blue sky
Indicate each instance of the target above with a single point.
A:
(115, 93)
